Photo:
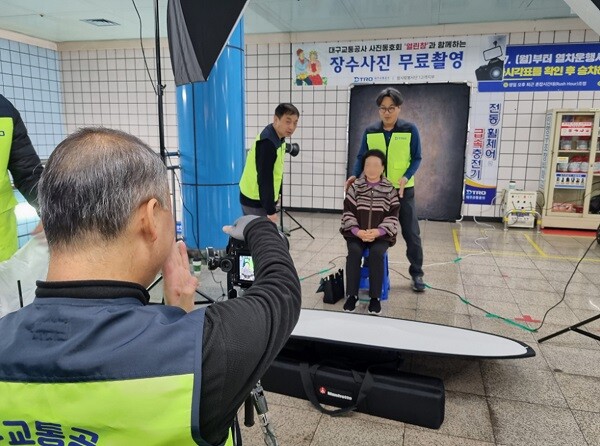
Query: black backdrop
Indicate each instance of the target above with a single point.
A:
(441, 113)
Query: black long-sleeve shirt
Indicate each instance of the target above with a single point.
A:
(23, 163)
(243, 336)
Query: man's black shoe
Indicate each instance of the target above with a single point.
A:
(350, 304)
(417, 284)
(375, 306)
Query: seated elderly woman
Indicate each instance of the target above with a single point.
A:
(370, 220)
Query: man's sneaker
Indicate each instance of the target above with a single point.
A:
(350, 304)
(375, 306)
(417, 284)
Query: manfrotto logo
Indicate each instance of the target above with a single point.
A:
(338, 395)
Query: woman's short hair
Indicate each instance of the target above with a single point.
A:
(373, 152)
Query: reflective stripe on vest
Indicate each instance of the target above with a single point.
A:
(132, 416)
(249, 180)
(8, 230)
(397, 155)
(91, 395)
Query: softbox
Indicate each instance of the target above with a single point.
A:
(198, 30)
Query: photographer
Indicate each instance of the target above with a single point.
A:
(89, 359)
(261, 180)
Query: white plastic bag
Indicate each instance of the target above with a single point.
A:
(28, 264)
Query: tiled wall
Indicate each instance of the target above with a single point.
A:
(30, 79)
(110, 86)
(318, 173)
(312, 179)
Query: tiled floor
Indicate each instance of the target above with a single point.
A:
(551, 399)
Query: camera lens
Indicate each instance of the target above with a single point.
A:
(226, 265)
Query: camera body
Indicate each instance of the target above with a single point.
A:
(237, 262)
(492, 71)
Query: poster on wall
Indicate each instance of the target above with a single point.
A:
(438, 59)
(549, 67)
(440, 112)
(481, 169)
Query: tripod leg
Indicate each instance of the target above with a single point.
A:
(248, 412)
(298, 223)
(260, 403)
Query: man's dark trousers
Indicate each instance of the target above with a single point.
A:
(411, 233)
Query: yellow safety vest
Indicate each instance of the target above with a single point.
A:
(53, 388)
(397, 155)
(249, 180)
(8, 224)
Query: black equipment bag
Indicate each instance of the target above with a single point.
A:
(369, 382)
(332, 287)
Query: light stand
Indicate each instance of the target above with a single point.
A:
(283, 211)
(575, 327)
(161, 141)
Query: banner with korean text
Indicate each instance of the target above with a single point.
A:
(419, 60)
(550, 67)
(481, 167)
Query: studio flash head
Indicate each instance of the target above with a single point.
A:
(292, 148)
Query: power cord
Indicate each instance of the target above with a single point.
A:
(323, 271)
(597, 240)
(142, 46)
(507, 320)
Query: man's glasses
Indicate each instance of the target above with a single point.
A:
(390, 109)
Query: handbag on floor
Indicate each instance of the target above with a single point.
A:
(332, 287)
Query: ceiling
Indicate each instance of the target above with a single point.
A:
(61, 20)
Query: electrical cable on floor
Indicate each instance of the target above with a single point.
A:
(323, 271)
(467, 302)
(567, 284)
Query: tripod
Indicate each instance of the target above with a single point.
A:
(207, 298)
(282, 211)
(575, 327)
(257, 396)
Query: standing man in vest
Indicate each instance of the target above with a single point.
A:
(89, 360)
(17, 156)
(260, 185)
(400, 142)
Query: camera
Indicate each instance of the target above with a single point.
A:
(236, 261)
(494, 69)
(292, 148)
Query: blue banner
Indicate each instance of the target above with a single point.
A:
(552, 67)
